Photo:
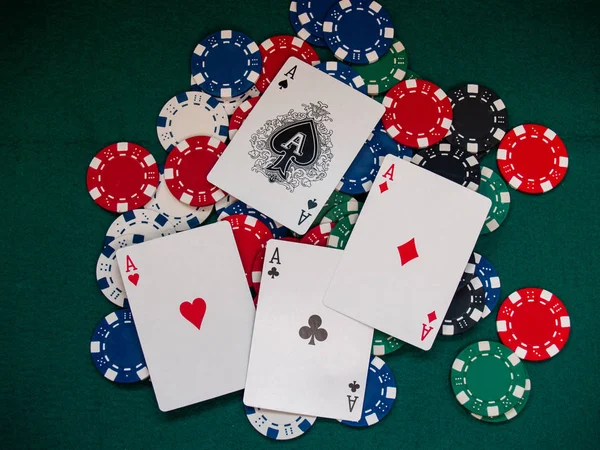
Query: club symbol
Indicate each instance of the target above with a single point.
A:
(354, 386)
(313, 330)
(273, 273)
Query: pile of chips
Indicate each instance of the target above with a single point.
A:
(446, 133)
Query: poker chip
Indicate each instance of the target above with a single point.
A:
(257, 266)
(534, 323)
(278, 425)
(359, 177)
(183, 217)
(301, 30)
(108, 275)
(318, 235)
(491, 283)
(122, 177)
(143, 224)
(511, 413)
(239, 207)
(479, 118)
(251, 236)
(240, 114)
(224, 203)
(465, 309)
(451, 163)
(311, 14)
(418, 113)
(116, 350)
(191, 114)
(488, 379)
(334, 199)
(386, 71)
(187, 167)
(532, 159)
(358, 31)
(380, 394)
(384, 344)
(339, 235)
(410, 75)
(390, 146)
(468, 273)
(226, 63)
(276, 51)
(343, 73)
(342, 210)
(494, 188)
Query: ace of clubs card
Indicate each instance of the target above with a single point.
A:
(296, 144)
(407, 252)
(193, 313)
(305, 358)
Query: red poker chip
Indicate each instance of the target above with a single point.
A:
(240, 114)
(187, 167)
(122, 177)
(276, 50)
(318, 235)
(418, 113)
(532, 159)
(257, 266)
(251, 236)
(290, 239)
(533, 323)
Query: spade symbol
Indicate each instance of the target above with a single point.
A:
(283, 84)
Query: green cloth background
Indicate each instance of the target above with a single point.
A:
(79, 75)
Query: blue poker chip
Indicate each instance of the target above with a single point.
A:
(380, 394)
(303, 32)
(358, 31)
(226, 64)
(277, 425)
(390, 146)
(491, 282)
(142, 224)
(224, 203)
(343, 73)
(359, 177)
(239, 207)
(311, 14)
(116, 350)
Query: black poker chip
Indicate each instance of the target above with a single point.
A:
(469, 272)
(452, 163)
(466, 308)
(480, 119)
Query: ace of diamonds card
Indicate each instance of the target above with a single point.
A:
(193, 313)
(296, 144)
(407, 252)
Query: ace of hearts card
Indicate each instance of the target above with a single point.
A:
(296, 144)
(407, 252)
(305, 358)
(193, 313)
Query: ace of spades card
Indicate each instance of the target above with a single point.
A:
(407, 252)
(296, 144)
(193, 313)
(305, 358)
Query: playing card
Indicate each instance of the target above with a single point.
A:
(305, 358)
(296, 144)
(407, 252)
(193, 313)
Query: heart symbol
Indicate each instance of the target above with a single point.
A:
(134, 278)
(193, 312)
(312, 204)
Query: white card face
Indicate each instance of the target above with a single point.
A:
(193, 318)
(305, 358)
(408, 251)
(296, 144)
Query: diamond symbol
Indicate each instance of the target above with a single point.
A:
(408, 252)
(383, 187)
(431, 316)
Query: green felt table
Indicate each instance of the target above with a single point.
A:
(79, 75)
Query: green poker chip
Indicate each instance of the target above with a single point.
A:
(493, 187)
(384, 344)
(488, 379)
(338, 238)
(336, 198)
(342, 210)
(386, 71)
(410, 75)
(511, 413)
